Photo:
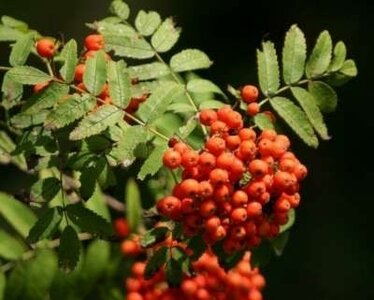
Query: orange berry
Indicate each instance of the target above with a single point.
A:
(79, 72)
(39, 87)
(94, 42)
(218, 176)
(239, 198)
(238, 215)
(215, 145)
(171, 159)
(207, 117)
(207, 208)
(253, 109)
(121, 226)
(190, 159)
(249, 93)
(254, 209)
(46, 48)
(232, 142)
(258, 168)
(170, 207)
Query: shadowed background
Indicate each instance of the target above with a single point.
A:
(330, 252)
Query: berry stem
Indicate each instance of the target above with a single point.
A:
(3, 68)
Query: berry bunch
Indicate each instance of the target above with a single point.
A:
(47, 48)
(239, 188)
(210, 282)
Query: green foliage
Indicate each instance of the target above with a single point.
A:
(45, 189)
(156, 261)
(154, 236)
(7, 147)
(124, 46)
(2, 285)
(68, 251)
(120, 8)
(263, 122)
(189, 60)
(153, 163)
(95, 73)
(165, 36)
(10, 247)
(324, 95)
(119, 83)
(320, 59)
(89, 221)
(174, 272)
(147, 23)
(28, 75)
(46, 225)
(268, 69)
(296, 119)
(133, 205)
(149, 71)
(21, 50)
(69, 55)
(18, 215)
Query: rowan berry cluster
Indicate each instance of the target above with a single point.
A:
(239, 188)
(47, 49)
(210, 282)
(130, 243)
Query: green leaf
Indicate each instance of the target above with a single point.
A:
(133, 203)
(268, 69)
(290, 222)
(119, 83)
(174, 272)
(279, 243)
(18, 215)
(340, 53)
(69, 110)
(2, 285)
(186, 130)
(46, 98)
(21, 50)
(97, 121)
(45, 189)
(10, 247)
(120, 9)
(181, 107)
(89, 221)
(154, 236)
(89, 176)
(294, 55)
(6, 152)
(165, 36)
(153, 163)
(46, 225)
(131, 47)
(131, 138)
(157, 260)
(211, 104)
(149, 71)
(190, 59)
(98, 204)
(311, 109)
(69, 249)
(319, 61)
(95, 73)
(24, 120)
(203, 86)
(263, 121)
(147, 23)
(198, 246)
(28, 75)
(261, 255)
(349, 68)
(325, 96)
(12, 92)
(296, 119)
(32, 279)
(158, 102)
(14, 23)
(69, 55)
(8, 34)
(107, 27)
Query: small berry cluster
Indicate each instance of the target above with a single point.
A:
(249, 94)
(47, 48)
(130, 244)
(239, 188)
(210, 282)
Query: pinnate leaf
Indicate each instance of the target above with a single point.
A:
(28, 75)
(311, 109)
(18, 215)
(131, 47)
(294, 55)
(97, 121)
(320, 58)
(69, 111)
(296, 119)
(149, 71)
(349, 68)
(46, 225)
(158, 102)
(340, 53)
(119, 83)
(69, 249)
(157, 260)
(89, 221)
(190, 59)
(263, 121)
(153, 163)
(154, 236)
(69, 55)
(166, 36)
(21, 50)
(174, 272)
(95, 73)
(268, 69)
(325, 96)
(203, 86)
(147, 23)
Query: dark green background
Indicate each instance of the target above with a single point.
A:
(330, 253)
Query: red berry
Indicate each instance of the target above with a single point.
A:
(207, 117)
(46, 48)
(253, 109)
(94, 42)
(249, 93)
(171, 159)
